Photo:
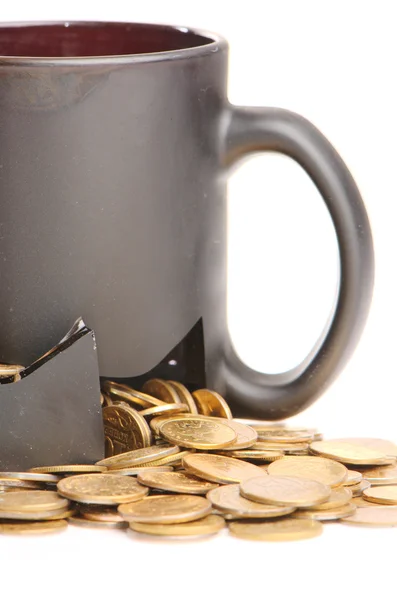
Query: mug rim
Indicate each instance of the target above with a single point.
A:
(215, 44)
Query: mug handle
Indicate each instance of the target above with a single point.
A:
(255, 394)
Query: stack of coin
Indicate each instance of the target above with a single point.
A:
(178, 464)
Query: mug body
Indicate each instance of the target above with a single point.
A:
(112, 201)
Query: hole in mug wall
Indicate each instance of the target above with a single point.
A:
(283, 263)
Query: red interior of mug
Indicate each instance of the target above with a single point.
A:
(94, 39)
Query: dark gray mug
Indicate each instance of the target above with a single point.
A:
(115, 144)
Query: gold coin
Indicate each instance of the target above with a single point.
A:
(156, 422)
(267, 424)
(184, 396)
(182, 483)
(101, 489)
(353, 477)
(198, 433)
(384, 446)
(162, 390)
(101, 513)
(137, 400)
(285, 491)
(206, 526)
(64, 469)
(282, 446)
(175, 459)
(350, 454)
(9, 482)
(331, 514)
(340, 496)
(40, 515)
(106, 400)
(32, 501)
(166, 509)
(319, 469)
(39, 477)
(376, 516)
(284, 434)
(125, 429)
(227, 498)
(211, 404)
(133, 471)
(246, 436)
(220, 469)
(281, 530)
(385, 494)
(249, 454)
(360, 502)
(165, 409)
(134, 458)
(32, 527)
(82, 522)
(358, 488)
(381, 475)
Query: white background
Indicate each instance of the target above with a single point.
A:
(335, 63)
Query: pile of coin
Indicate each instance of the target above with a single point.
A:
(178, 464)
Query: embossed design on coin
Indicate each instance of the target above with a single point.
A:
(284, 530)
(137, 457)
(220, 469)
(198, 433)
(288, 491)
(101, 489)
(125, 429)
(166, 509)
(228, 499)
(316, 468)
(179, 482)
(211, 404)
(350, 453)
(206, 526)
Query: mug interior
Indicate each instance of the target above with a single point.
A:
(94, 39)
